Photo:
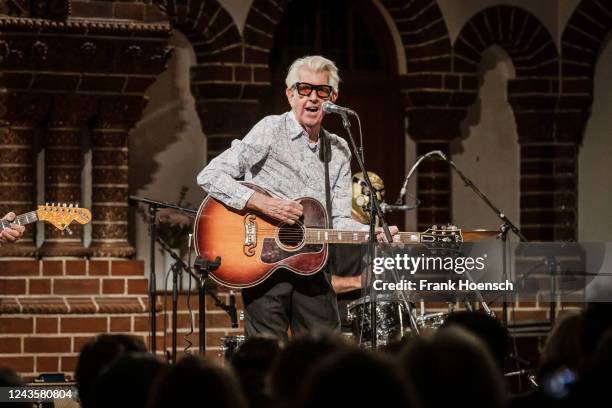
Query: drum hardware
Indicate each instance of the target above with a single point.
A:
(529, 373)
(392, 319)
(431, 320)
(230, 345)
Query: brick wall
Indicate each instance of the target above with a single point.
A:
(50, 308)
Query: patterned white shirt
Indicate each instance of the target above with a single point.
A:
(276, 155)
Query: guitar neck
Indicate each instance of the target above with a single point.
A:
(22, 219)
(330, 236)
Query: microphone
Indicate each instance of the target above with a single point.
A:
(427, 155)
(329, 107)
(394, 207)
(232, 309)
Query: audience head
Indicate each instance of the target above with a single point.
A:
(127, 382)
(562, 347)
(596, 320)
(252, 363)
(355, 378)
(295, 362)
(194, 382)
(9, 378)
(488, 329)
(453, 367)
(98, 354)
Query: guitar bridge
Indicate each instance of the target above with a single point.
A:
(250, 235)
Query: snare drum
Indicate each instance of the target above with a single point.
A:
(231, 344)
(392, 319)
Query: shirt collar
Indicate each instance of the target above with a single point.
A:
(295, 129)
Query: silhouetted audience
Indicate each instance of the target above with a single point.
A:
(593, 384)
(562, 348)
(356, 378)
(127, 382)
(295, 362)
(453, 367)
(9, 378)
(488, 329)
(99, 354)
(194, 382)
(560, 361)
(253, 362)
(457, 365)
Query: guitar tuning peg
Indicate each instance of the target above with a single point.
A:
(46, 204)
(77, 205)
(71, 205)
(435, 227)
(68, 230)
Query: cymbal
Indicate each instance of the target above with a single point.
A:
(478, 235)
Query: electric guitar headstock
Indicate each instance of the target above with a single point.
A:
(61, 215)
(442, 235)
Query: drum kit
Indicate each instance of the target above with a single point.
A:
(392, 323)
(392, 319)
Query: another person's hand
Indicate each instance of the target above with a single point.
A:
(288, 211)
(380, 235)
(13, 233)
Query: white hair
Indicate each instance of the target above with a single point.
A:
(314, 63)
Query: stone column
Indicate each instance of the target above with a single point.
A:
(550, 131)
(116, 116)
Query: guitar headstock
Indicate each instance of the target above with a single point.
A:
(61, 215)
(444, 234)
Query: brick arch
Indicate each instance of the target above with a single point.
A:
(547, 190)
(259, 28)
(424, 34)
(208, 26)
(581, 43)
(224, 86)
(584, 37)
(520, 34)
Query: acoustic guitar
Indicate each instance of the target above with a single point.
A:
(252, 245)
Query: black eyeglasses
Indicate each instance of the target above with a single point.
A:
(305, 89)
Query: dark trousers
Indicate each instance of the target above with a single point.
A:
(285, 299)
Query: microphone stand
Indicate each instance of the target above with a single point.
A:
(375, 211)
(506, 226)
(154, 207)
(202, 268)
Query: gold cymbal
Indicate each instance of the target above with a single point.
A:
(478, 235)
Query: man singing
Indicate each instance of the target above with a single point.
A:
(282, 154)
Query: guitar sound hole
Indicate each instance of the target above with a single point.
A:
(291, 236)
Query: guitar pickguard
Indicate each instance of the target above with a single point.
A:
(271, 253)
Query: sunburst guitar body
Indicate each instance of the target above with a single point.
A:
(251, 246)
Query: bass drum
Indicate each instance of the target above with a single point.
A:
(392, 319)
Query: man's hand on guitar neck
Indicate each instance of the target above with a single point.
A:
(283, 210)
(380, 235)
(12, 233)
